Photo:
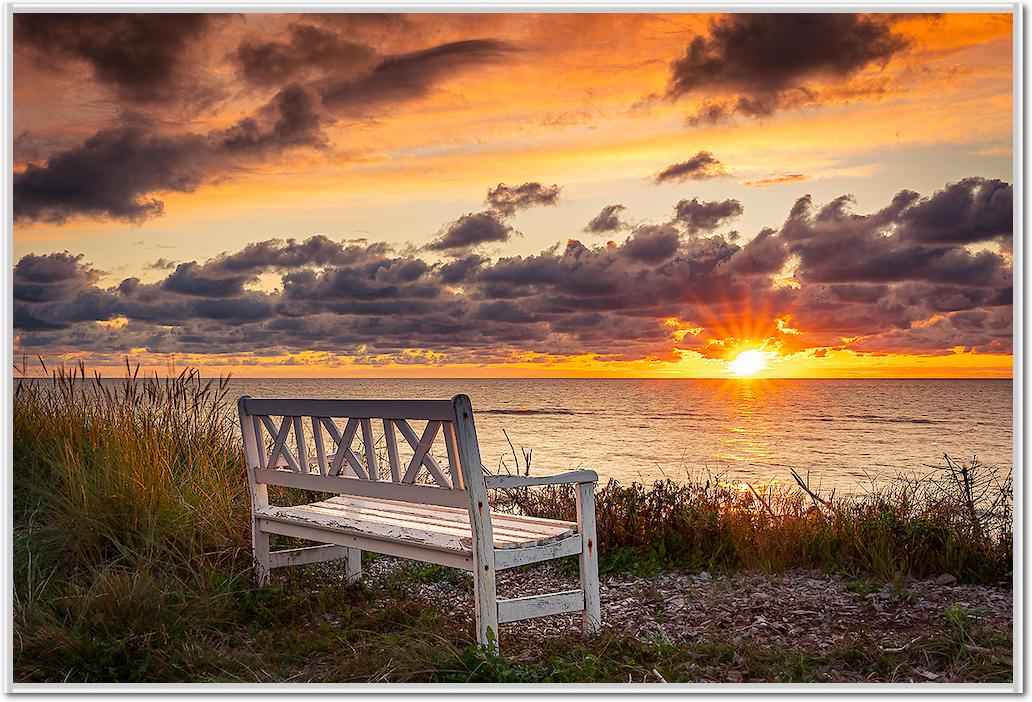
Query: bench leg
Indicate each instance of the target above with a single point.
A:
(262, 562)
(592, 622)
(486, 600)
(353, 564)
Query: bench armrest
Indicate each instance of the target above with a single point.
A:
(514, 481)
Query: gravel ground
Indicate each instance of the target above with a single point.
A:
(799, 610)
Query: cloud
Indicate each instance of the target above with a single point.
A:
(896, 279)
(410, 76)
(970, 211)
(292, 120)
(652, 243)
(140, 56)
(110, 176)
(472, 230)
(116, 173)
(51, 277)
(507, 199)
(277, 254)
(162, 264)
(119, 172)
(307, 48)
(836, 245)
(696, 216)
(608, 220)
(766, 61)
(700, 166)
(777, 179)
(190, 279)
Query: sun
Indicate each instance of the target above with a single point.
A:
(749, 362)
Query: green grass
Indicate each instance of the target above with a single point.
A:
(132, 563)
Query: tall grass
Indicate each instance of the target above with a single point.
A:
(130, 518)
(903, 528)
(128, 475)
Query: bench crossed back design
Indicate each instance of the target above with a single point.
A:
(409, 491)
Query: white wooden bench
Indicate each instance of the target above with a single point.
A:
(414, 506)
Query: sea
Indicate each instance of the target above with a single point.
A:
(845, 434)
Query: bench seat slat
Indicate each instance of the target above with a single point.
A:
(420, 508)
(385, 532)
(448, 529)
(405, 522)
(443, 521)
(499, 520)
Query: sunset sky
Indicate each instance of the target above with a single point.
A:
(515, 194)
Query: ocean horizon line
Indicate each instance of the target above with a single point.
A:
(753, 379)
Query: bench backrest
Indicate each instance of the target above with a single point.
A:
(308, 444)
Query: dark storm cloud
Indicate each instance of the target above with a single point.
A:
(836, 245)
(52, 277)
(652, 243)
(318, 250)
(765, 60)
(307, 47)
(139, 55)
(411, 76)
(472, 230)
(608, 220)
(110, 176)
(764, 255)
(700, 166)
(507, 199)
(859, 281)
(461, 269)
(116, 172)
(696, 216)
(968, 212)
(292, 118)
(190, 279)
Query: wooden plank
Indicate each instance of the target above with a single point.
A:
(353, 564)
(320, 447)
(277, 435)
(338, 521)
(457, 515)
(279, 446)
(421, 452)
(367, 543)
(254, 454)
(344, 451)
(507, 518)
(372, 465)
(513, 557)
(513, 481)
(540, 605)
(504, 538)
(484, 577)
(441, 410)
(437, 514)
(452, 537)
(424, 494)
(592, 621)
(307, 554)
(302, 448)
(451, 443)
(392, 450)
(259, 440)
